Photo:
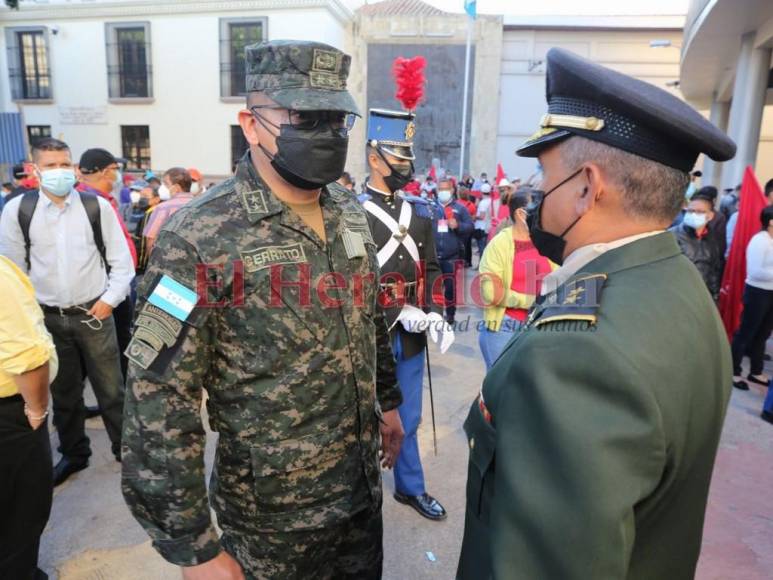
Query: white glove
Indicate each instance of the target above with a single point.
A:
(413, 319)
(440, 330)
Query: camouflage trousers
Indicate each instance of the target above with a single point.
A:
(349, 550)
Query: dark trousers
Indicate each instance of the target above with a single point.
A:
(481, 238)
(98, 349)
(449, 284)
(468, 251)
(26, 490)
(122, 316)
(756, 325)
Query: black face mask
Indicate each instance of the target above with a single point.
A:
(549, 245)
(308, 158)
(399, 178)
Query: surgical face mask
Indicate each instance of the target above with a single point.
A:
(164, 193)
(695, 220)
(551, 246)
(58, 182)
(308, 158)
(118, 181)
(135, 197)
(195, 188)
(444, 196)
(400, 176)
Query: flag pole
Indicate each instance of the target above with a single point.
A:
(466, 96)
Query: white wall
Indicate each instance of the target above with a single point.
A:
(189, 122)
(522, 91)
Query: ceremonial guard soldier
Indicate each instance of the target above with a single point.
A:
(410, 284)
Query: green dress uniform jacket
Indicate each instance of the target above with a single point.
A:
(294, 356)
(593, 441)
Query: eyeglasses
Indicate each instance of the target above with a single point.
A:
(308, 120)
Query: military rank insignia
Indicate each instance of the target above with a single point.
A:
(577, 300)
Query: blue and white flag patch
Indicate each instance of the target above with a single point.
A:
(173, 298)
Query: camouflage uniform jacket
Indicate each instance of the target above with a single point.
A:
(296, 383)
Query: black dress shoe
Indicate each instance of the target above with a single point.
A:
(741, 385)
(768, 417)
(66, 467)
(757, 381)
(425, 504)
(92, 412)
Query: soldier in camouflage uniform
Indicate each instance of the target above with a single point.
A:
(274, 313)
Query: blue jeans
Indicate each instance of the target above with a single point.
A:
(493, 343)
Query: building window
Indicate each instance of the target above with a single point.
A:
(28, 69)
(129, 73)
(135, 145)
(239, 145)
(235, 35)
(37, 132)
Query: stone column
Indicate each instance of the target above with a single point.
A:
(749, 89)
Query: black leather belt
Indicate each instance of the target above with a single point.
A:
(70, 310)
(13, 399)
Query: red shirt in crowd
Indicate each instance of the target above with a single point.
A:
(529, 268)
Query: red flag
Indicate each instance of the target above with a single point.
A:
(731, 293)
(500, 174)
(432, 173)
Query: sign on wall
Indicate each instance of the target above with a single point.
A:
(83, 115)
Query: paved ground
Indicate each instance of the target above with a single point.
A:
(91, 535)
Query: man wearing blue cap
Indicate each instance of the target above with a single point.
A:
(404, 234)
(593, 439)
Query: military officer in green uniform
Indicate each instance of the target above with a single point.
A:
(594, 436)
(263, 293)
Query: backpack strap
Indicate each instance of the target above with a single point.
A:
(29, 202)
(91, 205)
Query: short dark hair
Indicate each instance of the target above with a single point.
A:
(8, 185)
(520, 199)
(346, 178)
(766, 216)
(707, 192)
(769, 187)
(48, 144)
(180, 176)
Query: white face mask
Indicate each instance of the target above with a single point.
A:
(195, 188)
(58, 182)
(695, 220)
(164, 193)
(135, 196)
(444, 196)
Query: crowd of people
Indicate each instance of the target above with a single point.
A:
(87, 297)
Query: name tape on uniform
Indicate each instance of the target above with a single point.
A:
(174, 298)
(260, 258)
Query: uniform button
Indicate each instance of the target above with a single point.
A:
(420, 244)
(400, 257)
(472, 443)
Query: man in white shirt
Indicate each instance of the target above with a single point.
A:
(81, 268)
(483, 218)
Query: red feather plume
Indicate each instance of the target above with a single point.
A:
(409, 74)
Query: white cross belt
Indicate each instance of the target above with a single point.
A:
(385, 253)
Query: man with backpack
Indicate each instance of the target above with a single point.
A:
(72, 247)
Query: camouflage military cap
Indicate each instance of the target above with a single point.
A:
(300, 75)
